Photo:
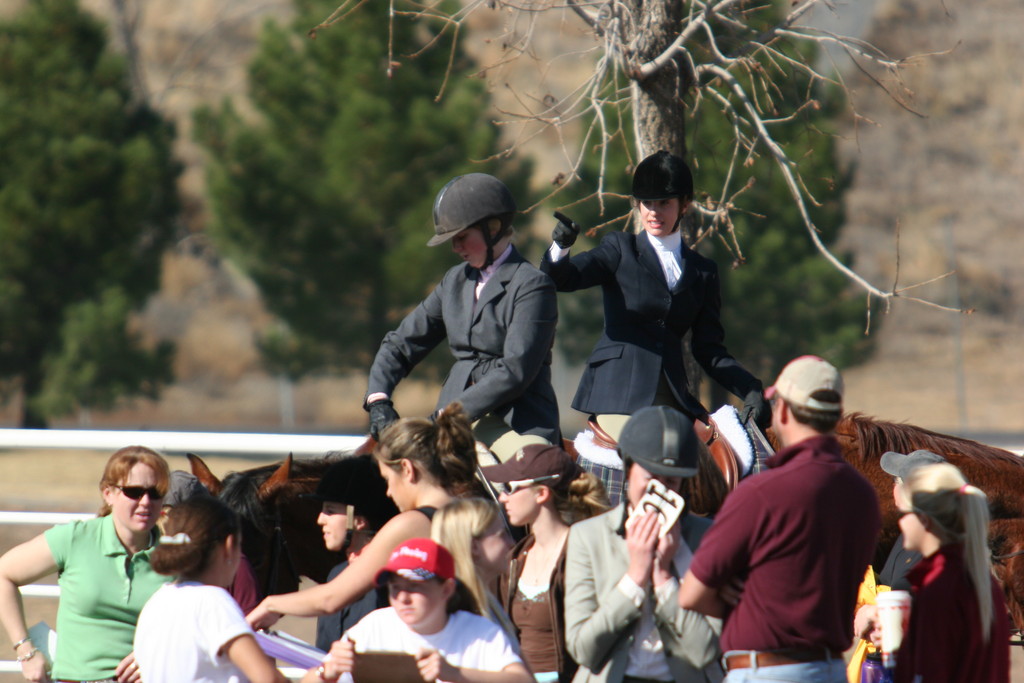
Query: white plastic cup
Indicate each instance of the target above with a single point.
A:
(893, 619)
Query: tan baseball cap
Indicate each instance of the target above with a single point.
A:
(803, 378)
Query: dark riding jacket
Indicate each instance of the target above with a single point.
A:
(501, 344)
(644, 324)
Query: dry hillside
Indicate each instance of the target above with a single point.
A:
(948, 181)
(948, 184)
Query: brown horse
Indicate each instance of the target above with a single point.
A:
(999, 473)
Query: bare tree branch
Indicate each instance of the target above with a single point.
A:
(656, 63)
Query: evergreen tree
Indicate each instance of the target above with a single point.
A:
(87, 205)
(324, 198)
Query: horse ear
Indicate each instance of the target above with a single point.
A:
(275, 481)
(204, 475)
(366, 447)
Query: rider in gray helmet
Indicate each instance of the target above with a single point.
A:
(474, 200)
(621, 585)
(498, 314)
(656, 289)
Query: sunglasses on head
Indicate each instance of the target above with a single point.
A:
(521, 484)
(137, 492)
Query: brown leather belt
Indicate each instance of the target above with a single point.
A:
(793, 655)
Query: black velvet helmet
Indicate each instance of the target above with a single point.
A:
(466, 201)
(662, 176)
(356, 481)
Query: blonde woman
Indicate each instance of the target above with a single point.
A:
(546, 492)
(473, 530)
(426, 465)
(959, 629)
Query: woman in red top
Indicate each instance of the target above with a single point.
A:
(959, 629)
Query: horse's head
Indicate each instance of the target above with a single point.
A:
(279, 531)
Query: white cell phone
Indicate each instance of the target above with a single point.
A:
(668, 504)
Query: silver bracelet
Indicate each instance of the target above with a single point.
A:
(26, 639)
(27, 656)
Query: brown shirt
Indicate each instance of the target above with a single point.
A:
(532, 617)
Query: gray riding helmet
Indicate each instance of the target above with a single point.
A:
(467, 200)
(662, 441)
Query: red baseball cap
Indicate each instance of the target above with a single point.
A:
(418, 559)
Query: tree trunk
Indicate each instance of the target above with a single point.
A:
(658, 111)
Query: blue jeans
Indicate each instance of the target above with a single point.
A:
(823, 671)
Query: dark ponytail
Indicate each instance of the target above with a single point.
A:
(456, 450)
(194, 529)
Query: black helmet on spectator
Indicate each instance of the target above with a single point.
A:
(662, 176)
(356, 481)
(662, 441)
(470, 200)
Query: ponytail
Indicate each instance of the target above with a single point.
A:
(585, 498)
(194, 529)
(456, 449)
(974, 509)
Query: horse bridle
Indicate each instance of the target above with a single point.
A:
(998, 559)
(278, 548)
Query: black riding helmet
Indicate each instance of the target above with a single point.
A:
(356, 482)
(471, 200)
(661, 176)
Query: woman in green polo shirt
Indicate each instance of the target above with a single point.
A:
(104, 575)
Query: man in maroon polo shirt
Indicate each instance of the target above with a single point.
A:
(786, 553)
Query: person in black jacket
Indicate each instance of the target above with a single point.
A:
(655, 289)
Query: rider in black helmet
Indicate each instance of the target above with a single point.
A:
(656, 289)
(498, 314)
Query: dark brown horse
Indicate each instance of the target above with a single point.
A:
(280, 535)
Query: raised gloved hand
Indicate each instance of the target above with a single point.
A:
(382, 414)
(566, 232)
(756, 407)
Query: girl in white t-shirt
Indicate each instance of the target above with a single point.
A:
(447, 644)
(192, 629)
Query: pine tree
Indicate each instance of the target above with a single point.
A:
(324, 197)
(87, 205)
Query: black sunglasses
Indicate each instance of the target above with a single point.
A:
(137, 492)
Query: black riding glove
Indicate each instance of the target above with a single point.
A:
(758, 409)
(566, 232)
(382, 414)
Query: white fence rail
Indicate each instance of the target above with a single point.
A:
(179, 443)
